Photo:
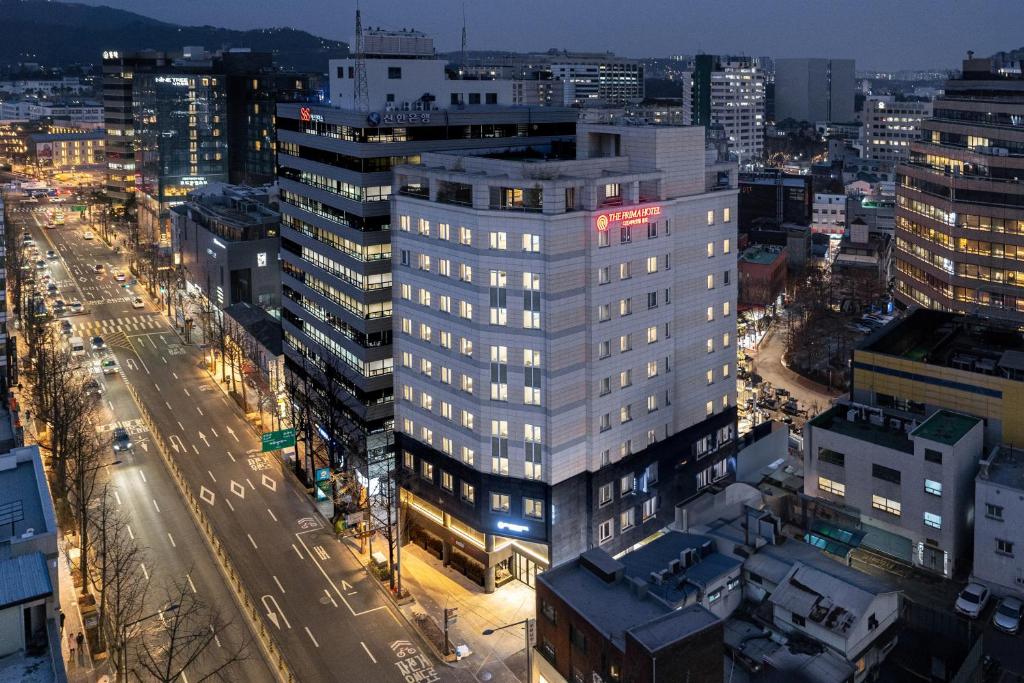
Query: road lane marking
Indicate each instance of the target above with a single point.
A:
(330, 597)
(229, 504)
(143, 475)
(253, 542)
(144, 572)
(310, 634)
(111, 406)
(214, 431)
(168, 405)
(195, 449)
(144, 365)
(237, 489)
(131, 534)
(269, 483)
(298, 553)
(156, 505)
(250, 484)
(272, 515)
(157, 386)
(216, 639)
(231, 456)
(279, 586)
(368, 653)
(163, 358)
(186, 392)
(175, 375)
(207, 495)
(173, 544)
(117, 498)
(191, 585)
(211, 476)
(328, 578)
(200, 410)
(181, 426)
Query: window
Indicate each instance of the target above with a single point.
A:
(625, 378)
(625, 413)
(625, 271)
(465, 272)
(499, 502)
(465, 236)
(468, 456)
(408, 461)
(711, 281)
(444, 231)
(404, 223)
(832, 457)
(726, 214)
(627, 484)
(886, 505)
(604, 349)
(627, 518)
(711, 249)
(1003, 546)
(711, 313)
(625, 343)
(725, 277)
(652, 264)
(725, 340)
(427, 435)
(625, 234)
(446, 445)
(650, 508)
(612, 190)
(468, 493)
(933, 487)
(466, 418)
(603, 313)
(499, 297)
(424, 261)
(499, 373)
(652, 231)
(423, 226)
(993, 511)
(424, 297)
(533, 508)
(725, 309)
(498, 240)
(426, 401)
(625, 448)
(427, 470)
(726, 247)
(465, 346)
(933, 520)
(652, 403)
(531, 377)
(829, 486)
(603, 275)
(447, 481)
(931, 455)
(532, 457)
(426, 367)
(652, 334)
(602, 238)
(709, 408)
(548, 610)
(711, 216)
(709, 377)
(531, 301)
(444, 267)
(885, 473)
(406, 326)
(499, 447)
(394, 72)
(652, 300)
(604, 531)
(626, 306)
(577, 638)
(725, 371)
(605, 494)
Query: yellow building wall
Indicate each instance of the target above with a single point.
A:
(1009, 410)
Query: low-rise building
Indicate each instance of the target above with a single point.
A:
(228, 239)
(762, 272)
(999, 522)
(861, 269)
(897, 484)
(29, 602)
(67, 151)
(828, 213)
(876, 210)
(594, 623)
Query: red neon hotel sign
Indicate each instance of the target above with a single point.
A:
(627, 217)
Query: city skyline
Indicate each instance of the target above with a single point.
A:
(790, 29)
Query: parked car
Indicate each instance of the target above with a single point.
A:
(972, 600)
(1008, 615)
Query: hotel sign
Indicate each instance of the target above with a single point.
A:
(627, 217)
(517, 528)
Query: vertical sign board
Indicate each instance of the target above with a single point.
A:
(323, 483)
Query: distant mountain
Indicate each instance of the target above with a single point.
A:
(59, 33)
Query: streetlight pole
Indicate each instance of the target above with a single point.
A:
(124, 636)
(529, 627)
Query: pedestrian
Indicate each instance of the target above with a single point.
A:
(62, 618)
(71, 646)
(80, 639)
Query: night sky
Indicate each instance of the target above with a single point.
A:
(890, 34)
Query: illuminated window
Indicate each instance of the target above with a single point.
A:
(893, 507)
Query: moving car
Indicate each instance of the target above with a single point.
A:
(93, 387)
(99, 268)
(137, 302)
(40, 264)
(109, 366)
(51, 255)
(65, 327)
(122, 440)
(1008, 615)
(87, 235)
(76, 306)
(77, 346)
(98, 343)
(972, 600)
(119, 276)
(58, 307)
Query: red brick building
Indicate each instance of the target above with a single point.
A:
(762, 273)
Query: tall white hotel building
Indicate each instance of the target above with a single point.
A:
(564, 343)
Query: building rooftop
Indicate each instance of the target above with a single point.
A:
(836, 419)
(24, 578)
(263, 327)
(822, 598)
(762, 255)
(672, 627)
(1005, 467)
(23, 492)
(951, 340)
(946, 427)
(679, 580)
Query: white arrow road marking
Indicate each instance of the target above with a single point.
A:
(231, 432)
(269, 483)
(145, 446)
(131, 364)
(202, 437)
(176, 443)
(237, 489)
(275, 612)
(345, 585)
(207, 495)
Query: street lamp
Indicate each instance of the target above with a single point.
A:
(124, 635)
(530, 631)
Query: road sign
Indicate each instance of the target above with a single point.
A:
(78, 207)
(282, 438)
(531, 632)
(323, 483)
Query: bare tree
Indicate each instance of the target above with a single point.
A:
(184, 637)
(85, 457)
(117, 579)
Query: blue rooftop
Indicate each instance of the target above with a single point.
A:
(707, 572)
(24, 578)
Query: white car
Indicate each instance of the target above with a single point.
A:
(137, 302)
(119, 276)
(972, 600)
(1008, 614)
(87, 235)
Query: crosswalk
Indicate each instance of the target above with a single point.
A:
(127, 325)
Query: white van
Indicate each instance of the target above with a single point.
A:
(77, 346)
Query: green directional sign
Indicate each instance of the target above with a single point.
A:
(275, 441)
(78, 207)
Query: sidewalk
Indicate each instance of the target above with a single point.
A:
(80, 668)
(502, 654)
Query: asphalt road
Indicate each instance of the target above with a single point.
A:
(325, 614)
(160, 522)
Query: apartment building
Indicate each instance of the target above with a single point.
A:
(730, 92)
(960, 206)
(564, 342)
(335, 177)
(999, 521)
(828, 213)
(890, 125)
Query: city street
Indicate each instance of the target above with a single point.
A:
(326, 615)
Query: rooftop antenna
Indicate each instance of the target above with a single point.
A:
(360, 95)
(463, 35)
